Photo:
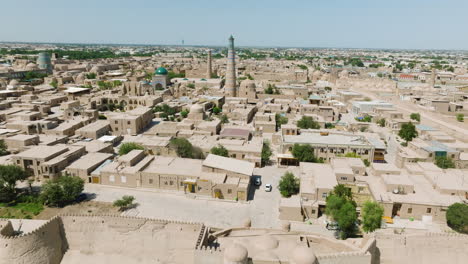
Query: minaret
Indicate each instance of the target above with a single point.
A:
(433, 77)
(230, 88)
(208, 70)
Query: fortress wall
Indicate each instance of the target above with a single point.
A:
(43, 245)
(139, 238)
(422, 248)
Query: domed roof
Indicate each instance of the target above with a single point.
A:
(13, 83)
(266, 255)
(266, 242)
(31, 66)
(303, 255)
(161, 71)
(235, 253)
(196, 108)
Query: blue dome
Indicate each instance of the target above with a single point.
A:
(160, 71)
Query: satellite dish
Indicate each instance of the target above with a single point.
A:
(396, 191)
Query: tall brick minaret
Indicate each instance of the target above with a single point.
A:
(230, 88)
(209, 70)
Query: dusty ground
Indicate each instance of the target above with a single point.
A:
(86, 207)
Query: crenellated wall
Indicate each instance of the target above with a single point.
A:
(43, 245)
(426, 248)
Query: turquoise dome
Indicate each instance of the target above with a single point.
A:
(160, 71)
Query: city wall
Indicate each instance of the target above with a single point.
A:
(427, 248)
(43, 245)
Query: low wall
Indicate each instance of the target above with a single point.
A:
(43, 245)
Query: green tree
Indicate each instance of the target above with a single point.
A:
(341, 208)
(184, 113)
(61, 191)
(216, 110)
(3, 148)
(416, 116)
(124, 203)
(129, 146)
(304, 153)
(457, 217)
(269, 89)
(9, 176)
(372, 213)
(307, 122)
(460, 117)
(408, 132)
(224, 119)
(381, 122)
(91, 75)
(54, 84)
(444, 162)
(280, 120)
(342, 191)
(328, 88)
(219, 150)
(185, 149)
(288, 185)
(366, 118)
(352, 155)
(329, 125)
(266, 153)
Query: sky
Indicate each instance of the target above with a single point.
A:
(398, 24)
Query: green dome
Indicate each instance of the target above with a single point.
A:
(160, 71)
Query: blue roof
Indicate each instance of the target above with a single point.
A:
(315, 97)
(436, 146)
(425, 128)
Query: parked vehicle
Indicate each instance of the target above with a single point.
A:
(268, 187)
(257, 181)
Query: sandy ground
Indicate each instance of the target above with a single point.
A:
(86, 207)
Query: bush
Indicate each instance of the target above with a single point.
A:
(457, 217)
(224, 119)
(124, 203)
(381, 122)
(307, 122)
(184, 113)
(185, 149)
(372, 213)
(125, 148)
(460, 117)
(366, 162)
(444, 162)
(3, 148)
(220, 151)
(61, 191)
(416, 116)
(216, 110)
(288, 185)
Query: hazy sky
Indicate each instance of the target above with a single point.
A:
(426, 24)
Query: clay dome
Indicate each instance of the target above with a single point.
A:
(196, 108)
(13, 83)
(267, 242)
(235, 253)
(31, 66)
(303, 255)
(129, 74)
(266, 256)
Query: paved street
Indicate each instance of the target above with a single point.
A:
(262, 210)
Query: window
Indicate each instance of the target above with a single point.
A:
(150, 181)
(428, 210)
(360, 189)
(112, 178)
(313, 211)
(18, 162)
(410, 210)
(229, 191)
(181, 183)
(324, 195)
(171, 182)
(128, 122)
(116, 122)
(344, 178)
(123, 179)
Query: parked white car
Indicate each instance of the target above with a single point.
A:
(268, 187)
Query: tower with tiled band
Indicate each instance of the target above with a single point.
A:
(230, 87)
